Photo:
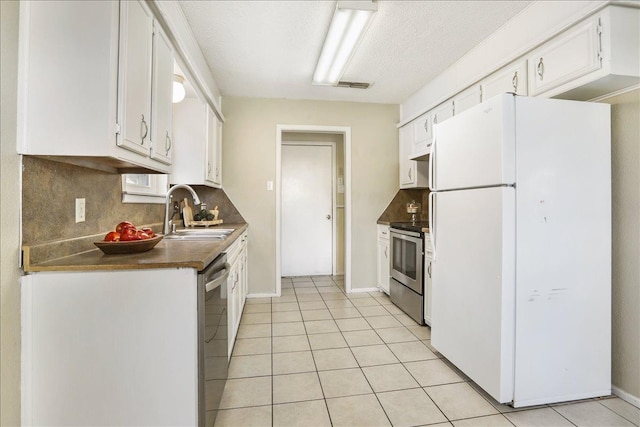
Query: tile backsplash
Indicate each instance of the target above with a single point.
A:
(49, 190)
(396, 211)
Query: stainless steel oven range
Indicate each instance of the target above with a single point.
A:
(406, 283)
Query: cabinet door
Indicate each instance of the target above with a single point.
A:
(136, 28)
(407, 167)
(467, 99)
(383, 265)
(512, 78)
(441, 113)
(565, 58)
(212, 149)
(422, 132)
(428, 259)
(161, 97)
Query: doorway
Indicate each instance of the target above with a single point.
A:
(308, 209)
(340, 217)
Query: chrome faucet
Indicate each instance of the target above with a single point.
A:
(167, 218)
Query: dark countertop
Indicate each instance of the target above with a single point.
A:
(166, 254)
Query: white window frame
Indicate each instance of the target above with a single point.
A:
(154, 192)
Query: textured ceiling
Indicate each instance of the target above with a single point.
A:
(269, 49)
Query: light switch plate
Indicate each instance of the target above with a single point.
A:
(80, 210)
(269, 185)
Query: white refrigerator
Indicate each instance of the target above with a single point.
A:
(520, 214)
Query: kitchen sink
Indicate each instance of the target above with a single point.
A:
(200, 234)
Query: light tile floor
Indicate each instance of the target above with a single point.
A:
(318, 357)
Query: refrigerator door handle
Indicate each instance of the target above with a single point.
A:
(432, 228)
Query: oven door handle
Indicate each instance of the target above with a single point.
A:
(220, 277)
(432, 221)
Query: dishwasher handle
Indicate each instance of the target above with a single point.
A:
(218, 278)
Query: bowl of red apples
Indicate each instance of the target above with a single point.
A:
(128, 239)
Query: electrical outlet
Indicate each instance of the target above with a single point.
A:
(80, 210)
(269, 185)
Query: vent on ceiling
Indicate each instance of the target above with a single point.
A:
(354, 85)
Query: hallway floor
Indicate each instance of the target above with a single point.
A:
(317, 357)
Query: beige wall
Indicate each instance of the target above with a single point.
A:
(625, 154)
(9, 220)
(249, 159)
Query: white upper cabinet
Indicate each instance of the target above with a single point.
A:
(467, 99)
(441, 113)
(213, 149)
(161, 97)
(567, 57)
(512, 78)
(413, 174)
(422, 133)
(198, 139)
(134, 88)
(85, 84)
(594, 57)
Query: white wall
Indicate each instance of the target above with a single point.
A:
(9, 220)
(249, 156)
(625, 159)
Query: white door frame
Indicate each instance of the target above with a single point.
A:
(334, 199)
(346, 133)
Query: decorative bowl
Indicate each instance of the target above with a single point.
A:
(130, 247)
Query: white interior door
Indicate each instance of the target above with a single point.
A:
(307, 209)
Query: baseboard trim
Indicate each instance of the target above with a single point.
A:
(627, 397)
(358, 290)
(267, 295)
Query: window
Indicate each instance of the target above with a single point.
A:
(144, 188)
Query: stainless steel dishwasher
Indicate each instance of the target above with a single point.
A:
(213, 343)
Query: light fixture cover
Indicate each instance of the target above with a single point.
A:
(349, 23)
(179, 91)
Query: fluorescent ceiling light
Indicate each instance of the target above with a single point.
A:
(349, 23)
(179, 91)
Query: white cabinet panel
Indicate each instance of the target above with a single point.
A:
(512, 78)
(85, 83)
(197, 138)
(383, 258)
(441, 113)
(213, 149)
(467, 98)
(162, 97)
(413, 174)
(136, 29)
(422, 132)
(566, 57)
(110, 348)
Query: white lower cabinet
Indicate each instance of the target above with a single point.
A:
(110, 348)
(383, 258)
(427, 271)
(236, 286)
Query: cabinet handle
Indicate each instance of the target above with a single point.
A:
(410, 173)
(429, 270)
(168, 147)
(514, 81)
(386, 253)
(540, 69)
(217, 172)
(208, 168)
(426, 125)
(146, 130)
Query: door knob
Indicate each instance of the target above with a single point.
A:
(328, 216)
